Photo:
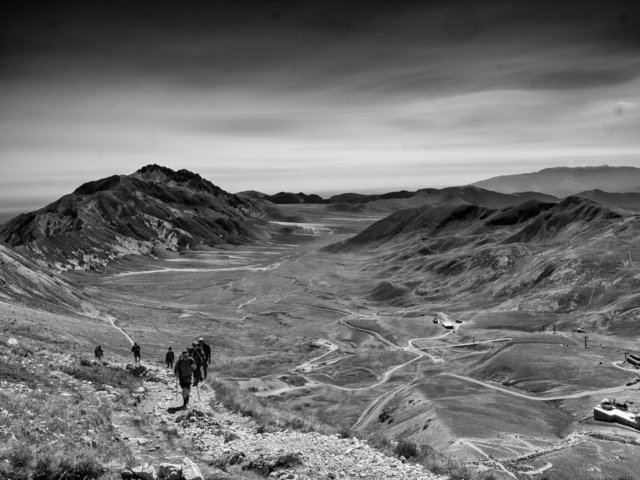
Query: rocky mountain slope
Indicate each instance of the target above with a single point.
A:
(154, 208)
(25, 281)
(124, 421)
(564, 181)
(553, 257)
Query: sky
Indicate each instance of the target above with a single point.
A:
(313, 96)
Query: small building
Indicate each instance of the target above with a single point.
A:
(447, 324)
(611, 411)
(633, 360)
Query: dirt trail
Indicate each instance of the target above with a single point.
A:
(112, 321)
(586, 393)
(493, 462)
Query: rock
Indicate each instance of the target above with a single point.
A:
(137, 370)
(145, 472)
(190, 470)
(169, 471)
(127, 474)
(88, 441)
(12, 342)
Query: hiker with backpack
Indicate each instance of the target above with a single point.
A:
(168, 358)
(206, 349)
(184, 370)
(98, 352)
(198, 357)
(136, 352)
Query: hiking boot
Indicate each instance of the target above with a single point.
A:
(186, 400)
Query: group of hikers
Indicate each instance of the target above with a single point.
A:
(191, 367)
(192, 364)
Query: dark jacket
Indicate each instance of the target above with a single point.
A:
(197, 356)
(184, 367)
(207, 352)
(169, 357)
(136, 349)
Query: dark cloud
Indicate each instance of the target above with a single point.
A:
(304, 44)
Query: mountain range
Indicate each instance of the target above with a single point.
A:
(548, 185)
(535, 255)
(153, 208)
(564, 181)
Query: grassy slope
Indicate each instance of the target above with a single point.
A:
(54, 422)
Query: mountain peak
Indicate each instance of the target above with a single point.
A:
(159, 174)
(153, 208)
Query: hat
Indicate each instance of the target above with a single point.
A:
(169, 348)
(185, 353)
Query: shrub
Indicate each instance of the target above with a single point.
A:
(406, 449)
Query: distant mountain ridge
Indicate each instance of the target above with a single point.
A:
(155, 207)
(565, 181)
(628, 200)
(536, 255)
(467, 194)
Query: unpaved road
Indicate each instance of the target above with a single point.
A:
(586, 393)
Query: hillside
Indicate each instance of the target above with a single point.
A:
(24, 281)
(564, 181)
(154, 208)
(67, 415)
(628, 200)
(544, 256)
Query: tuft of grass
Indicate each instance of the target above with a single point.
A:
(263, 412)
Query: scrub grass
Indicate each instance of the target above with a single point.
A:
(53, 425)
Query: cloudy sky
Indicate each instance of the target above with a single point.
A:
(314, 96)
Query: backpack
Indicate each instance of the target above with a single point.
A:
(194, 353)
(184, 367)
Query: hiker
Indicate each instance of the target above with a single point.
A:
(136, 352)
(207, 356)
(168, 358)
(195, 353)
(184, 369)
(98, 352)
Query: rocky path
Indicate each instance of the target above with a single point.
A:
(212, 435)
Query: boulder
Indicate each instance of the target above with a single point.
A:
(145, 472)
(190, 470)
(169, 471)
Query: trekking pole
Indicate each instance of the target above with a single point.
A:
(198, 390)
